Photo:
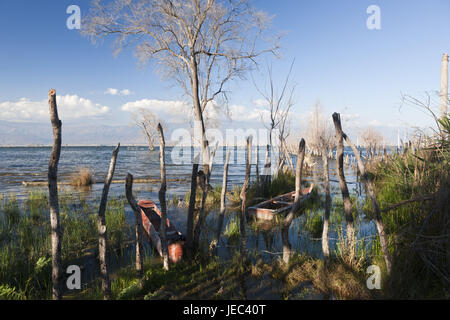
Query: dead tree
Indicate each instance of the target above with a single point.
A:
(376, 207)
(53, 201)
(343, 184)
(290, 217)
(101, 225)
(138, 228)
(223, 207)
(162, 198)
(326, 220)
(243, 196)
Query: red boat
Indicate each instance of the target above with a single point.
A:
(151, 221)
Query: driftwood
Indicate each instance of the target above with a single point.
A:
(138, 228)
(326, 219)
(101, 225)
(162, 198)
(402, 203)
(141, 181)
(290, 217)
(376, 206)
(343, 184)
(222, 204)
(53, 197)
(243, 196)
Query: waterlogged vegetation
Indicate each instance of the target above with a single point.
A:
(25, 246)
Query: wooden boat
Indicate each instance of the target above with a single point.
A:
(282, 204)
(151, 222)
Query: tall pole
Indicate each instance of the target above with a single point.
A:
(444, 86)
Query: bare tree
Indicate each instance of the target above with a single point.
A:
(53, 197)
(319, 131)
(373, 140)
(279, 105)
(101, 225)
(147, 122)
(202, 44)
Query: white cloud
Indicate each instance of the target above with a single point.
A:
(261, 102)
(69, 107)
(170, 110)
(115, 92)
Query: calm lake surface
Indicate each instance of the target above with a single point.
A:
(18, 164)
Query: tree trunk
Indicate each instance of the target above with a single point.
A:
(222, 204)
(290, 217)
(162, 198)
(326, 220)
(53, 197)
(190, 220)
(138, 228)
(343, 184)
(378, 218)
(243, 196)
(101, 225)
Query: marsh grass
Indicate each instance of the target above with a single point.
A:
(84, 177)
(25, 246)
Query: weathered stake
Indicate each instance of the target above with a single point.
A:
(290, 217)
(326, 220)
(162, 198)
(378, 219)
(243, 197)
(202, 214)
(53, 197)
(191, 209)
(343, 184)
(222, 204)
(138, 228)
(101, 225)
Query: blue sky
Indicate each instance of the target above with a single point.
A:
(351, 69)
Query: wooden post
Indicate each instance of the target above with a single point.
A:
(222, 204)
(243, 197)
(162, 198)
(343, 184)
(444, 86)
(190, 220)
(202, 215)
(101, 225)
(290, 217)
(258, 179)
(376, 207)
(326, 220)
(138, 228)
(53, 197)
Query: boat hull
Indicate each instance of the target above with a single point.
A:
(267, 210)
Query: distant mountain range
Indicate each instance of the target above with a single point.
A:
(24, 134)
(35, 134)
